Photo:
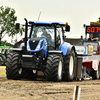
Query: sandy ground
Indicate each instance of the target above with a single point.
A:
(45, 90)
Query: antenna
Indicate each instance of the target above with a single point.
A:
(39, 16)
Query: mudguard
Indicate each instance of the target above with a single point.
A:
(66, 48)
(16, 49)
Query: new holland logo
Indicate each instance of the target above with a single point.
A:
(33, 41)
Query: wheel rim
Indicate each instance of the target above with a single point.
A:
(34, 71)
(60, 70)
(20, 70)
(71, 65)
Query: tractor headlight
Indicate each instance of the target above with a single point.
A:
(38, 47)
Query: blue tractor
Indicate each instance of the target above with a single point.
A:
(43, 50)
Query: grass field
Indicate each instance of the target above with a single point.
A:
(2, 73)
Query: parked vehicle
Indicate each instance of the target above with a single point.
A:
(4, 50)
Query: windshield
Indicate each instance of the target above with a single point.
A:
(48, 33)
(44, 32)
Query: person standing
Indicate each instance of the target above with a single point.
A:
(91, 38)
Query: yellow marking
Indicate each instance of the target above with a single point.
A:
(45, 47)
(94, 23)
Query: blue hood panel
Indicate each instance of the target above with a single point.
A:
(64, 47)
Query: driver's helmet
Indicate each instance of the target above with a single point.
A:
(44, 30)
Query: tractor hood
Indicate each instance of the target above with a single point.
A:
(36, 44)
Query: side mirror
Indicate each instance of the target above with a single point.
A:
(67, 28)
(17, 26)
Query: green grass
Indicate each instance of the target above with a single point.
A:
(2, 73)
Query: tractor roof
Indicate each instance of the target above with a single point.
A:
(45, 23)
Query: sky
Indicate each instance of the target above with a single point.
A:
(75, 12)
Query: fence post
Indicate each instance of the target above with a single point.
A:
(76, 95)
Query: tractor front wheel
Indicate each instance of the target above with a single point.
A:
(16, 67)
(13, 66)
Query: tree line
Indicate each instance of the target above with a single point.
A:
(7, 23)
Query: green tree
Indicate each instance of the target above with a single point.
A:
(7, 23)
(5, 43)
(98, 19)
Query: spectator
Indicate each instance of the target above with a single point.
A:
(91, 38)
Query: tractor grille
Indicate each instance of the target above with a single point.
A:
(33, 43)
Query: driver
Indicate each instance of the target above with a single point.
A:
(46, 35)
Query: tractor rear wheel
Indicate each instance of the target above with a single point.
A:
(54, 68)
(69, 63)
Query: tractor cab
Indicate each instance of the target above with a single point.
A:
(43, 50)
(52, 32)
(47, 32)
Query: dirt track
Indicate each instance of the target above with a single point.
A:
(44, 90)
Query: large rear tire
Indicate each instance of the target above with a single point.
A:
(54, 68)
(69, 63)
(13, 66)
